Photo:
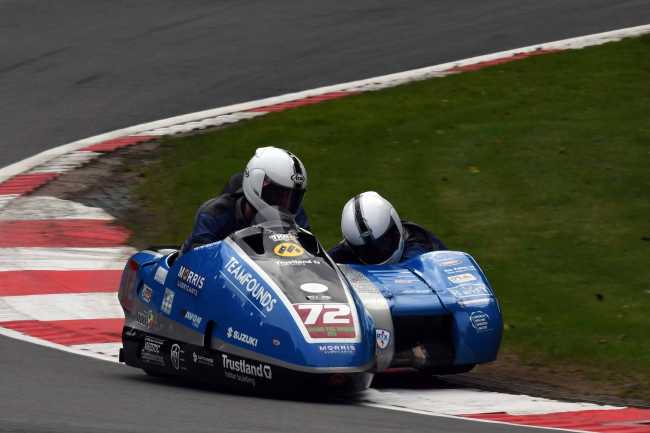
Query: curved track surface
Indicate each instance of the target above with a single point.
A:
(54, 391)
(74, 68)
(77, 68)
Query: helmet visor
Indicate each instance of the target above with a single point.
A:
(284, 198)
(377, 250)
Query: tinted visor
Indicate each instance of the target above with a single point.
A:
(287, 199)
(378, 250)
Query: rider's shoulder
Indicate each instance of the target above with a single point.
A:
(342, 253)
(222, 204)
(415, 230)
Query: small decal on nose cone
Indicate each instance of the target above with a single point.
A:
(288, 249)
(313, 288)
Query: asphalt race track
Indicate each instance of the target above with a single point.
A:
(77, 68)
(74, 68)
(54, 391)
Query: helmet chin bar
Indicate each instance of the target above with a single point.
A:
(394, 258)
(396, 255)
(253, 191)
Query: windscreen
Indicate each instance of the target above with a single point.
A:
(294, 260)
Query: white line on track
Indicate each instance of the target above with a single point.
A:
(5, 199)
(63, 259)
(66, 162)
(69, 306)
(463, 401)
(359, 85)
(105, 349)
(485, 421)
(40, 342)
(45, 208)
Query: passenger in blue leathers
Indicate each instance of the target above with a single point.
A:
(274, 179)
(374, 234)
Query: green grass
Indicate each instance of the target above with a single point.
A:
(539, 168)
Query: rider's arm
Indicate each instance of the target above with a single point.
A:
(209, 226)
(419, 241)
(302, 220)
(437, 244)
(341, 253)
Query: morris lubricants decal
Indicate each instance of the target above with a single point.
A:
(190, 281)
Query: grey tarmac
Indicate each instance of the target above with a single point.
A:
(74, 68)
(48, 391)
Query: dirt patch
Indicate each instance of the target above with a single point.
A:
(108, 183)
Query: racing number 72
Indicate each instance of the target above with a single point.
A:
(326, 314)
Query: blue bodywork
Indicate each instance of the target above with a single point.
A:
(445, 283)
(229, 305)
(202, 286)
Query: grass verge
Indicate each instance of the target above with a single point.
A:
(539, 168)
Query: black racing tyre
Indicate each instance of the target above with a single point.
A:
(153, 373)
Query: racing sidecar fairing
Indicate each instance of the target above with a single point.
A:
(267, 308)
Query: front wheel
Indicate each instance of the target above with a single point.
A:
(153, 373)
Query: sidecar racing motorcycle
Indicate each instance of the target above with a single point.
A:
(268, 309)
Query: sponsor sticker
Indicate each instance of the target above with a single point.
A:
(415, 292)
(327, 320)
(474, 302)
(480, 321)
(236, 335)
(298, 262)
(459, 269)
(464, 291)
(202, 360)
(461, 278)
(146, 293)
(250, 368)
(337, 348)
(240, 378)
(318, 297)
(383, 338)
(167, 302)
(283, 237)
(152, 345)
(194, 318)
(288, 249)
(313, 288)
(151, 351)
(190, 281)
(146, 318)
(448, 259)
(175, 356)
(161, 275)
(450, 262)
(298, 178)
(256, 292)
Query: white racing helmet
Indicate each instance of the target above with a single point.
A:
(372, 228)
(275, 182)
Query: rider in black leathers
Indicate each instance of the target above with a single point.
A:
(273, 178)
